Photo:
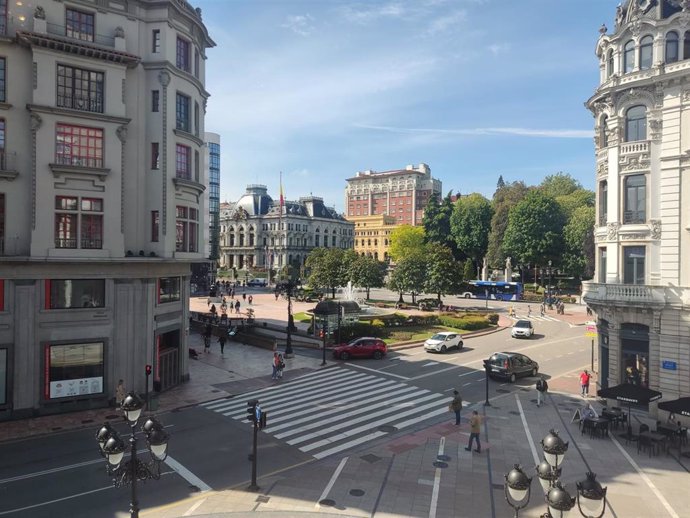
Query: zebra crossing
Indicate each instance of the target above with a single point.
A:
(332, 410)
(535, 317)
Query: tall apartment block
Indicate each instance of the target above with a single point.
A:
(101, 197)
(401, 194)
(641, 290)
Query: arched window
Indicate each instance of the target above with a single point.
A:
(629, 57)
(671, 53)
(603, 138)
(609, 63)
(646, 45)
(636, 124)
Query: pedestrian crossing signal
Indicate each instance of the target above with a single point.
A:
(252, 410)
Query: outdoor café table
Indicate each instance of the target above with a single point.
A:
(595, 425)
(615, 416)
(658, 439)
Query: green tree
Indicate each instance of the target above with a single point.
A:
(576, 199)
(436, 221)
(443, 272)
(470, 225)
(559, 184)
(504, 200)
(578, 234)
(534, 231)
(367, 272)
(501, 183)
(409, 275)
(468, 271)
(406, 240)
(329, 268)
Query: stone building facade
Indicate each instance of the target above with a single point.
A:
(373, 235)
(101, 197)
(256, 232)
(641, 290)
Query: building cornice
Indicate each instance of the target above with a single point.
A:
(59, 170)
(168, 67)
(189, 136)
(52, 110)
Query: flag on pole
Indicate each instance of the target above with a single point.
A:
(282, 199)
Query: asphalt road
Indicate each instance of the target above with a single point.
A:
(63, 474)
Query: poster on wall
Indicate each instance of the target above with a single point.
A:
(74, 370)
(3, 376)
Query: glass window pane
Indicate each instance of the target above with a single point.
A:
(74, 370)
(76, 293)
(629, 57)
(671, 54)
(646, 53)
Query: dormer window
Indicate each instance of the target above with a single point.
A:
(671, 52)
(646, 45)
(629, 57)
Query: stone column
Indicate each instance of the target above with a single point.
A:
(614, 354)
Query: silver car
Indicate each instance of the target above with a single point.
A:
(522, 328)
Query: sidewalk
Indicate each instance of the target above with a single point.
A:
(429, 472)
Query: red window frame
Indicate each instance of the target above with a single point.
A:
(78, 145)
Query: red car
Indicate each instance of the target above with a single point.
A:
(366, 347)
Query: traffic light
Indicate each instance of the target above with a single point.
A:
(251, 410)
(148, 370)
(262, 420)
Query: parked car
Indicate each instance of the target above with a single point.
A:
(256, 283)
(365, 347)
(511, 366)
(522, 328)
(443, 341)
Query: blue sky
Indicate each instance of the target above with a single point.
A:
(321, 89)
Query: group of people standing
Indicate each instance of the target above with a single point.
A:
(278, 366)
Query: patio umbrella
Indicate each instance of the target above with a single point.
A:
(629, 393)
(677, 406)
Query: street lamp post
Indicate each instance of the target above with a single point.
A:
(487, 370)
(113, 448)
(591, 497)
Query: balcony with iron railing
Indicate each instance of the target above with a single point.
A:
(602, 220)
(55, 29)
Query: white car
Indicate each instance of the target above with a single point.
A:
(522, 328)
(441, 342)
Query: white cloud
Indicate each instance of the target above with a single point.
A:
(301, 24)
(444, 23)
(360, 13)
(498, 48)
(521, 132)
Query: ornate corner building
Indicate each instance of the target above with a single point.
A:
(102, 186)
(641, 290)
(257, 233)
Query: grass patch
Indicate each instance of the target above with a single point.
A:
(414, 333)
(301, 317)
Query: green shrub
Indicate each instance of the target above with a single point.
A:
(377, 322)
(492, 318)
(467, 323)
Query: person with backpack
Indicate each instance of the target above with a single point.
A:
(542, 387)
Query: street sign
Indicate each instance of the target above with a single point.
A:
(591, 330)
(669, 365)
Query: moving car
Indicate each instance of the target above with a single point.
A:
(522, 328)
(365, 347)
(443, 341)
(511, 366)
(257, 283)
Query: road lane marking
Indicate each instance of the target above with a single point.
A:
(187, 475)
(194, 507)
(378, 371)
(331, 482)
(54, 501)
(430, 364)
(647, 480)
(437, 481)
(527, 432)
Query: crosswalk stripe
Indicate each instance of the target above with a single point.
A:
(368, 415)
(297, 382)
(357, 402)
(327, 412)
(303, 393)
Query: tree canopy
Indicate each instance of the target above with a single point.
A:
(559, 184)
(406, 240)
(578, 235)
(504, 200)
(470, 225)
(535, 229)
(409, 275)
(367, 272)
(444, 273)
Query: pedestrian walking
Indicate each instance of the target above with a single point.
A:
(456, 406)
(232, 293)
(475, 428)
(120, 393)
(281, 366)
(542, 387)
(221, 340)
(244, 296)
(584, 382)
(250, 299)
(213, 310)
(237, 307)
(276, 362)
(529, 311)
(276, 294)
(541, 309)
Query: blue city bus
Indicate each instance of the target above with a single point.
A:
(496, 290)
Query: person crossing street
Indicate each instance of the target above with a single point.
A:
(542, 387)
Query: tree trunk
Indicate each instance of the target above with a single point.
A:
(368, 292)
(414, 296)
(400, 300)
